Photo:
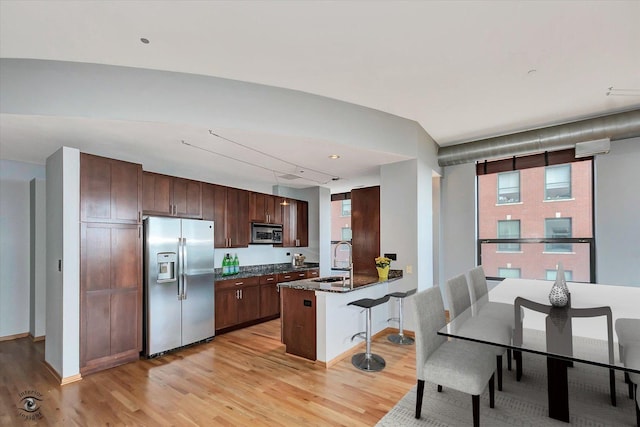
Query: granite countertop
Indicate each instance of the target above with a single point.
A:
(265, 269)
(359, 281)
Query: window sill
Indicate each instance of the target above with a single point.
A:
(509, 252)
(558, 253)
(558, 200)
(508, 204)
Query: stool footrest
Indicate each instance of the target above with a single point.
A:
(362, 335)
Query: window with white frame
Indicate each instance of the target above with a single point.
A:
(346, 207)
(552, 274)
(557, 182)
(509, 229)
(558, 228)
(509, 187)
(513, 273)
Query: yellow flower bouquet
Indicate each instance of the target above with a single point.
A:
(383, 261)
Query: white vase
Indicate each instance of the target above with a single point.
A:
(559, 295)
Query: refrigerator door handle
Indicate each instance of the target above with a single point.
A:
(180, 268)
(184, 268)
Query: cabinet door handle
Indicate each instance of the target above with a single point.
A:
(240, 293)
(239, 283)
(269, 279)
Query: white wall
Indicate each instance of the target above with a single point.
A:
(62, 351)
(617, 212)
(15, 245)
(38, 258)
(437, 241)
(406, 220)
(458, 222)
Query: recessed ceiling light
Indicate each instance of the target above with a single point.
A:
(334, 156)
(143, 40)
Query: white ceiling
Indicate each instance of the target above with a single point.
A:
(462, 70)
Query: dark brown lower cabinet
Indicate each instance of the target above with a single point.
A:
(298, 321)
(237, 303)
(243, 302)
(110, 295)
(269, 296)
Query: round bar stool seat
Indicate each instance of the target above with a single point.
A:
(400, 337)
(368, 361)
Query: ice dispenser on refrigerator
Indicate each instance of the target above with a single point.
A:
(166, 267)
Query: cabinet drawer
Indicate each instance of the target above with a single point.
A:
(295, 275)
(238, 282)
(313, 273)
(268, 279)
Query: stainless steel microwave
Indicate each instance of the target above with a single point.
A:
(266, 233)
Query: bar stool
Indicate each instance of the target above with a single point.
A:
(368, 361)
(400, 338)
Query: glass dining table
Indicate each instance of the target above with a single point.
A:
(582, 332)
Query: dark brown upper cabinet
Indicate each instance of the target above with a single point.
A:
(264, 208)
(110, 190)
(365, 226)
(229, 209)
(171, 196)
(295, 224)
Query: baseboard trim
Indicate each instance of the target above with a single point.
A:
(14, 336)
(71, 379)
(37, 339)
(59, 379)
(358, 348)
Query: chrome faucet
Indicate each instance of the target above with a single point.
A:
(350, 267)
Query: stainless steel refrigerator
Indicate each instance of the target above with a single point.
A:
(178, 283)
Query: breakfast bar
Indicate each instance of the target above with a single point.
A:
(318, 323)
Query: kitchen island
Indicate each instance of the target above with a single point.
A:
(318, 323)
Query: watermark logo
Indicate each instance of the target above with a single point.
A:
(29, 404)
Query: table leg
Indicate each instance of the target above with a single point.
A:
(612, 386)
(517, 355)
(558, 389)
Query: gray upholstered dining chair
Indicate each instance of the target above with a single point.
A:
(491, 329)
(632, 360)
(628, 332)
(478, 288)
(453, 364)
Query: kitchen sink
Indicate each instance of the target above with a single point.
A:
(329, 279)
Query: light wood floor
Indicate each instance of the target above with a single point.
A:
(240, 378)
